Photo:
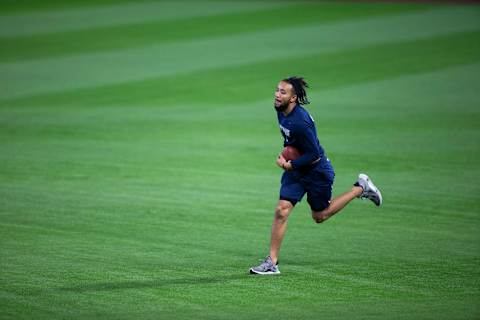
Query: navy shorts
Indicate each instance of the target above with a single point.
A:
(317, 184)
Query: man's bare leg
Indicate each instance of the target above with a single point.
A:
(363, 188)
(337, 204)
(279, 226)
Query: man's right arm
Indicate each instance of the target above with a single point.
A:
(307, 140)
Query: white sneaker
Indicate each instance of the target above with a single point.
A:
(370, 191)
(267, 267)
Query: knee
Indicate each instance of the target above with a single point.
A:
(281, 212)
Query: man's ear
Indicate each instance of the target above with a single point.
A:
(293, 98)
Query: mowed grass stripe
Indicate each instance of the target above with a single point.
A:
(13, 7)
(102, 210)
(183, 28)
(57, 21)
(91, 70)
(140, 214)
(94, 206)
(325, 70)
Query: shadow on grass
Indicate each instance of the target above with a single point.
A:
(154, 283)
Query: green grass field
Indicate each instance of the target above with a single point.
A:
(138, 140)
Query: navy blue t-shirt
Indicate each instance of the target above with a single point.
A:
(298, 130)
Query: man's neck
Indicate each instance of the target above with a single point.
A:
(289, 109)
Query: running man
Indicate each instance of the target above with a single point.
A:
(311, 173)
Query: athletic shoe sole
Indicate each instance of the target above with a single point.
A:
(266, 273)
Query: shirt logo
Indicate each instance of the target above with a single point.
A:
(285, 131)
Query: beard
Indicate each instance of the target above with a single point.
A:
(282, 107)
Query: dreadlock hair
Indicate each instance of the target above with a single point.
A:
(299, 85)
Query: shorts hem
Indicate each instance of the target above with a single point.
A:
(292, 201)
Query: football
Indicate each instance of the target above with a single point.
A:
(290, 153)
